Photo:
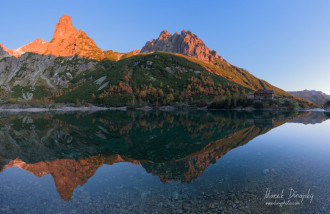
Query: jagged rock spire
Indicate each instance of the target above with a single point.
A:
(185, 43)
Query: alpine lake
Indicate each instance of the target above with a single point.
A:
(165, 162)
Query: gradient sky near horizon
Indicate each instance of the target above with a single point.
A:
(286, 43)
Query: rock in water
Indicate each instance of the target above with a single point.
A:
(265, 171)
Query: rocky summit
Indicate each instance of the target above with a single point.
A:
(38, 46)
(185, 43)
(66, 41)
(71, 68)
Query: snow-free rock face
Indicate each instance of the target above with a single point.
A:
(52, 65)
(3, 52)
(185, 43)
(36, 65)
(34, 70)
(38, 46)
(68, 41)
(64, 29)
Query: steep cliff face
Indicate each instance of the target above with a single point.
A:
(185, 43)
(68, 41)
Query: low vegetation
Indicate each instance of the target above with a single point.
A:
(326, 104)
(38, 92)
(153, 79)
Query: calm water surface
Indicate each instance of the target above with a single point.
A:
(165, 162)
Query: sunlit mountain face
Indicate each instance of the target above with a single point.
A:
(176, 146)
(171, 69)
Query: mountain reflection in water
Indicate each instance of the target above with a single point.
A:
(175, 146)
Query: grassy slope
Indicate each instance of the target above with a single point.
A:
(147, 73)
(244, 78)
(239, 76)
(141, 76)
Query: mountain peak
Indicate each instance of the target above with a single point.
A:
(185, 43)
(39, 40)
(38, 46)
(64, 29)
(68, 41)
(164, 34)
(65, 19)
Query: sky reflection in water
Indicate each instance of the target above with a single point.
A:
(162, 161)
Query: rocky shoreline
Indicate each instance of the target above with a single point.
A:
(90, 107)
(45, 108)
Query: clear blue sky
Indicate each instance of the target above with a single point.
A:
(284, 42)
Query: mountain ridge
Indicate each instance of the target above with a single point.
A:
(314, 96)
(38, 46)
(71, 52)
(185, 43)
(66, 41)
